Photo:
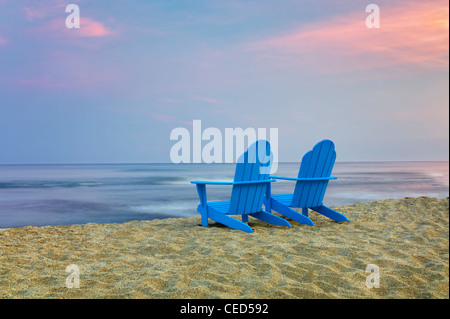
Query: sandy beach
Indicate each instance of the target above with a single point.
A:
(407, 239)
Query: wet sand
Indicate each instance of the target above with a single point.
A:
(407, 239)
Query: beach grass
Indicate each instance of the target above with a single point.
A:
(406, 239)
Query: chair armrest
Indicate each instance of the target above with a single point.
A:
(201, 187)
(305, 179)
(234, 183)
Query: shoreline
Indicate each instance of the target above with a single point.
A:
(177, 258)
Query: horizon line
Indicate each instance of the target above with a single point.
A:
(164, 163)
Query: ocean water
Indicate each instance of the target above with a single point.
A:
(38, 195)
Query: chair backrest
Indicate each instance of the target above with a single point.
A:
(254, 164)
(318, 162)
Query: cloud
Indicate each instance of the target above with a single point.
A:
(33, 13)
(56, 28)
(171, 100)
(415, 34)
(3, 41)
(163, 117)
(147, 111)
(64, 77)
(91, 28)
(193, 98)
(206, 99)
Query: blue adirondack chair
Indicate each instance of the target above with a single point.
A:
(311, 184)
(251, 180)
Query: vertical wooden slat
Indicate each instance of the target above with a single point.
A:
(238, 176)
(318, 162)
(245, 188)
(249, 190)
(299, 186)
(324, 184)
(263, 169)
(322, 159)
(310, 173)
(247, 199)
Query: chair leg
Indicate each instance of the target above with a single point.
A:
(204, 214)
(305, 211)
(328, 212)
(268, 199)
(229, 221)
(292, 214)
(203, 207)
(271, 219)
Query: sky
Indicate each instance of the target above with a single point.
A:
(113, 90)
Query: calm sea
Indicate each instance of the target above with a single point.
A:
(40, 195)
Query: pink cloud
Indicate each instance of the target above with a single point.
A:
(162, 117)
(414, 34)
(171, 100)
(3, 41)
(148, 112)
(55, 30)
(33, 13)
(88, 28)
(206, 99)
(91, 28)
(74, 80)
(194, 98)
